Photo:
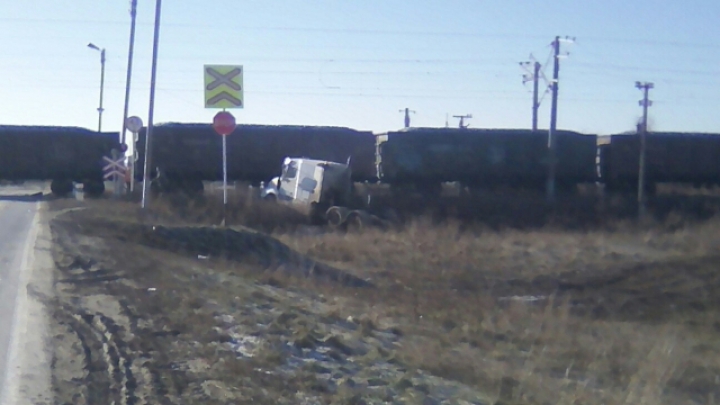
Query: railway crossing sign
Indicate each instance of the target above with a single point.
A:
(134, 124)
(224, 123)
(223, 86)
(113, 167)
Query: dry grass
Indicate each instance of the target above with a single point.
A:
(625, 313)
(451, 290)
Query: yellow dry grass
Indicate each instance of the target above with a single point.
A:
(626, 314)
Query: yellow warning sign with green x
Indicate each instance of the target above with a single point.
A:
(223, 86)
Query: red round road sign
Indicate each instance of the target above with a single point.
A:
(224, 123)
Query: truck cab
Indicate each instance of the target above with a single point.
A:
(311, 186)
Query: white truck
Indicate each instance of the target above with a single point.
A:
(323, 191)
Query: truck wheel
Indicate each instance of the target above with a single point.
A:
(94, 189)
(335, 217)
(61, 187)
(354, 222)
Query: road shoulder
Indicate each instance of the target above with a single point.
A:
(32, 364)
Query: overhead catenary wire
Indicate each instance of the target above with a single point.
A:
(215, 27)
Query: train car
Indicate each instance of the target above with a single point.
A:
(670, 157)
(185, 155)
(483, 158)
(62, 155)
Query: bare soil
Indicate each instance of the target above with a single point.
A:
(164, 307)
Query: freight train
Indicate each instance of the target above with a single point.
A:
(62, 155)
(671, 157)
(423, 158)
(185, 155)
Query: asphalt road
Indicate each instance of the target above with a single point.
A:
(18, 211)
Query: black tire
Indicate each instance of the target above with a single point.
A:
(335, 218)
(94, 189)
(354, 222)
(61, 187)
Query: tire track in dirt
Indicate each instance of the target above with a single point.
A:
(107, 356)
(122, 362)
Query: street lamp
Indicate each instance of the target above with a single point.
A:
(102, 81)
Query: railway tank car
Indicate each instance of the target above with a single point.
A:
(483, 158)
(60, 154)
(186, 154)
(670, 157)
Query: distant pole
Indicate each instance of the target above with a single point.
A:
(536, 105)
(102, 87)
(148, 135)
(645, 103)
(102, 81)
(553, 122)
(462, 125)
(407, 116)
(133, 13)
(535, 77)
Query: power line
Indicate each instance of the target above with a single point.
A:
(206, 27)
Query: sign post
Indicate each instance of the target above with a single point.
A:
(134, 125)
(224, 124)
(224, 89)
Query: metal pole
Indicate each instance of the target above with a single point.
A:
(102, 86)
(148, 136)
(131, 160)
(132, 166)
(645, 103)
(224, 152)
(535, 96)
(553, 124)
(133, 13)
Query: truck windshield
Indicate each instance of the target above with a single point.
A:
(289, 171)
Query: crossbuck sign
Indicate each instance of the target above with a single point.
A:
(223, 86)
(113, 167)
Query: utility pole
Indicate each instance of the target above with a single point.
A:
(552, 147)
(131, 160)
(148, 135)
(535, 77)
(133, 14)
(407, 116)
(644, 103)
(462, 120)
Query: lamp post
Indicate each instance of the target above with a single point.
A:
(102, 81)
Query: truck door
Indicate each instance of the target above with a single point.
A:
(307, 184)
(288, 181)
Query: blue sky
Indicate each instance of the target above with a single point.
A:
(357, 63)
